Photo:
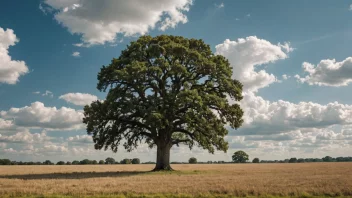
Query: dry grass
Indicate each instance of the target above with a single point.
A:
(318, 179)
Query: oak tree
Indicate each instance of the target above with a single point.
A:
(165, 91)
(240, 157)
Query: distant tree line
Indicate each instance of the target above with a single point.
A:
(108, 160)
(238, 157)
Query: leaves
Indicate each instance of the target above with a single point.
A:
(165, 90)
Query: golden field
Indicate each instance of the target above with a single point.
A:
(306, 179)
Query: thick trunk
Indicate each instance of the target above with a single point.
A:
(163, 158)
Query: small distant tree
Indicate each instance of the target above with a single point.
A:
(48, 162)
(94, 162)
(60, 163)
(75, 162)
(101, 162)
(240, 157)
(327, 159)
(109, 160)
(125, 161)
(136, 161)
(85, 161)
(68, 163)
(192, 160)
(255, 160)
(293, 160)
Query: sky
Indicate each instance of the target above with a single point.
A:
(293, 58)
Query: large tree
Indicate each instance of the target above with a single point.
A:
(165, 91)
(240, 157)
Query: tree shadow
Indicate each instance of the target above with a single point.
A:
(74, 175)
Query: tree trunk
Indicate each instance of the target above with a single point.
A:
(163, 158)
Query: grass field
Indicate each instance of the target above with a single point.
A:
(227, 180)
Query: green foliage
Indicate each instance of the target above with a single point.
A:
(85, 161)
(60, 163)
(255, 160)
(136, 161)
(240, 157)
(126, 161)
(192, 160)
(327, 159)
(101, 162)
(47, 162)
(293, 160)
(68, 163)
(5, 162)
(75, 162)
(164, 91)
(109, 160)
(300, 160)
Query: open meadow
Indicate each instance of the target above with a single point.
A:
(220, 180)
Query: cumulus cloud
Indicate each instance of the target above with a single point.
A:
(328, 73)
(25, 137)
(47, 149)
(80, 99)
(76, 54)
(80, 139)
(10, 70)
(100, 21)
(246, 54)
(38, 116)
(263, 117)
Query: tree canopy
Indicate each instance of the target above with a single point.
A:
(165, 91)
(192, 160)
(255, 160)
(240, 157)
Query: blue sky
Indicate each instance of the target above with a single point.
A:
(308, 115)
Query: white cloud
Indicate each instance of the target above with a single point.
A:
(285, 77)
(10, 70)
(46, 149)
(76, 54)
(48, 93)
(80, 99)
(25, 137)
(221, 5)
(328, 73)
(350, 7)
(286, 46)
(78, 44)
(246, 54)
(100, 21)
(263, 117)
(39, 116)
(248, 15)
(80, 139)
(36, 92)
